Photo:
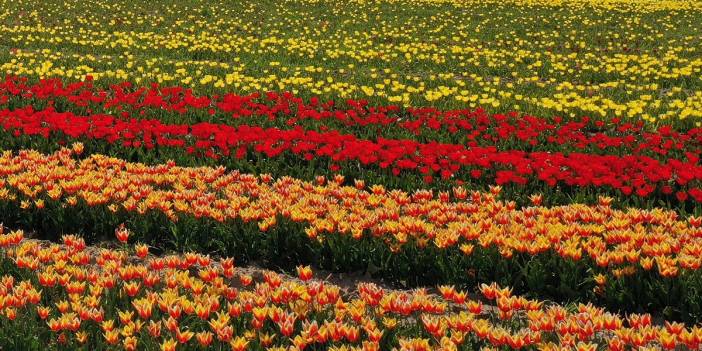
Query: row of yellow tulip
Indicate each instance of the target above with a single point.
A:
(640, 65)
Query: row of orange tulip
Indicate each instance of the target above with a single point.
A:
(131, 299)
(618, 241)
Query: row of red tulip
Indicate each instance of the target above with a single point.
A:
(638, 175)
(475, 127)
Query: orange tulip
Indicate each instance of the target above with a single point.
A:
(204, 338)
(168, 345)
(183, 337)
(131, 288)
(304, 273)
(43, 312)
(111, 337)
(141, 249)
(122, 233)
(130, 343)
(239, 344)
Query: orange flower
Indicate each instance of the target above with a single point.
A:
(141, 250)
(154, 328)
(668, 341)
(183, 337)
(10, 313)
(54, 325)
(225, 333)
(304, 273)
(299, 342)
(131, 288)
(63, 306)
(130, 343)
(82, 337)
(202, 311)
(204, 338)
(489, 291)
(389, 323)
(475, 307)
(143, 308)
(43, 312)
(171, 324)
(107, 325)
(125, 316)
(174, 311)
(112, 337)
(674, 327)
(168, 345)
(77, 148)
(433, 325)
(467, 249)
(245, 279)
(600, 279)
(122, 233)
(266, 339)
(239, 344)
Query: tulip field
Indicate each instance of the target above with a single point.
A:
(405, 175)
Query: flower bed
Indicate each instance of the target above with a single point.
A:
(69, 295)
(341, 227)
(628, 175)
